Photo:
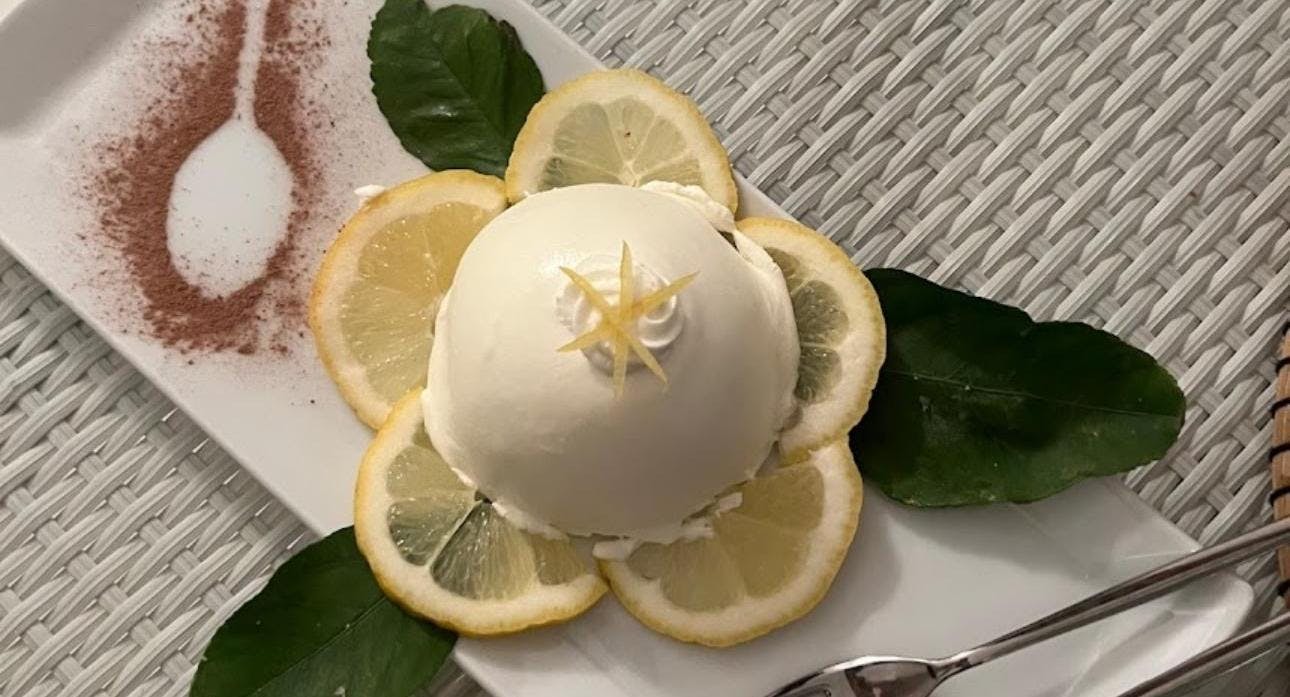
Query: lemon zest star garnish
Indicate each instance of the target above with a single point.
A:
(626, 293)
(618, 322)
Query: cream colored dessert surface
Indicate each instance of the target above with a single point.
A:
(544, 433)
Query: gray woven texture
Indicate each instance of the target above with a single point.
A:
(124, 537)
(1123, 163)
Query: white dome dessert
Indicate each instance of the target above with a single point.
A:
(545, 433)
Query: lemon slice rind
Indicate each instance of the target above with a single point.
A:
(340, 270)
(749, 616)
(860, 350)
(413, 586)
(536, 142)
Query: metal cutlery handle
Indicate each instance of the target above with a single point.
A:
(1133, 592)
(1217, 659)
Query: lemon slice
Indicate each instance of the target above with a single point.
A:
(374, 300)
(768, 562)
(839, 327)
(617, 126)
(444, 553)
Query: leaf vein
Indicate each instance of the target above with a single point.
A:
(1024, 394)
(376, 602)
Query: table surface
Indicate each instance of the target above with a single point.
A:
(1124, 164)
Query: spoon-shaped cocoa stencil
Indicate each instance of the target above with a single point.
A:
(205, 190)
(231, 200)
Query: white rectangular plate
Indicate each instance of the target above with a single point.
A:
(918, 582)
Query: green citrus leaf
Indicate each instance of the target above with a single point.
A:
(977, 403)
(454, 83)
(321, 627)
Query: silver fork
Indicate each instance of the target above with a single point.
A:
(896, 676)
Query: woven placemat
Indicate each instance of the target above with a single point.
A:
(125, 538)
(1121, 163)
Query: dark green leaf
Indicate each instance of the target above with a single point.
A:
(977, 403)
(321, 628)
(454, 83)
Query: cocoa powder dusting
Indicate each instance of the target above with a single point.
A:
(132, 185)
(291, 48)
